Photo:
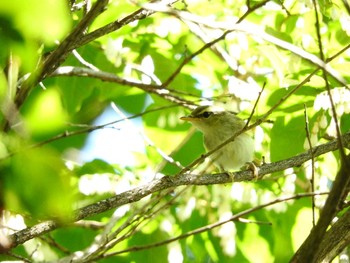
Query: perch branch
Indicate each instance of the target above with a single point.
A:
(167, 182)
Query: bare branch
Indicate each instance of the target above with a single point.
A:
(335, 240)
(167, 182)
(312, 242)
(110, 77)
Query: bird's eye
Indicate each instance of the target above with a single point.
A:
(206, 114)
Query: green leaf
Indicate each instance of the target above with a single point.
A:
(287, 137)
(148, 255)
(192, 150)
(133, 103)
(252, 241)
(38, 182)
(96, 166)
(345, 123)
(46, 114)
(74, 238)
(44, 20)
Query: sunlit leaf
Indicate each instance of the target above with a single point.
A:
(287, 137)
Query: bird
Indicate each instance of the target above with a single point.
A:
(217, 126)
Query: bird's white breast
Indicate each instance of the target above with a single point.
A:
(233, 155)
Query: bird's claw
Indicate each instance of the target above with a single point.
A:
(254, 168)
(231, 175)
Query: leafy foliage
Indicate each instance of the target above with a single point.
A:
(149, 63)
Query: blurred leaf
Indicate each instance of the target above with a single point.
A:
(3, 86)
(8, 32)
(148, 255)
(295, 103)
(46, 115)
(278, 34)
(291, 23)
(47, 21)
(34, 182)
(74, 238)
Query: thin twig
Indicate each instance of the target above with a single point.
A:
(312, 181)
(209, 44)
(255, 105)
(178, 147)
(52, 242)
(111, 77)
(320, 46)
(83, 61)
(116, 25)
(206, 228)
(88, 129)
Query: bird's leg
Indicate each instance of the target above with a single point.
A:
(230, 174)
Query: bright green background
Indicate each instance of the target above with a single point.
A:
(40, 183)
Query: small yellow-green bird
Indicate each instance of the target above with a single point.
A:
(218, 125)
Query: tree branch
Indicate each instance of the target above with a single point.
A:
(167, 182)
(75, 39)
(311, 246)
(114, 26)
(60, 53)
(110, 77)
(335, 240)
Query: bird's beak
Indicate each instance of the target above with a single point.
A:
(186, 118)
